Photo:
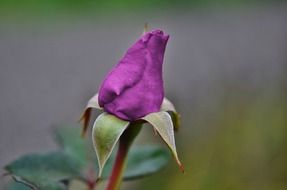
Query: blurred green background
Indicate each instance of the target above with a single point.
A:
(225, 70)
(102, 5)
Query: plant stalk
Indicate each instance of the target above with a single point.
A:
(119, 166)
(91, 185)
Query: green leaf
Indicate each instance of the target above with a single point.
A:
(92, 103)
(107, 130)
(142, 161)
(168, 107)
(145, 160)
(70, 140)
(162, 123)
(45, 172)
(17, 186)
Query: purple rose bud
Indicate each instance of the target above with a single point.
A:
(134, 87)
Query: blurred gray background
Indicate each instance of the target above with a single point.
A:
(225, 69)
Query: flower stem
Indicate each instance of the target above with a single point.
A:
(116, 177)
(125, 142)
(91, 185)
(91, 182)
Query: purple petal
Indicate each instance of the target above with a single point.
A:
(134, 87)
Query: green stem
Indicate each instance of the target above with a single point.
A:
(125, 142)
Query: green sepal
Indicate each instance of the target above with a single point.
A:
(163, 124)
(106, 132)
(86, 116)
(168, 107)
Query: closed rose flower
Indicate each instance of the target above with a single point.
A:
(132, 90)
(134, 87)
